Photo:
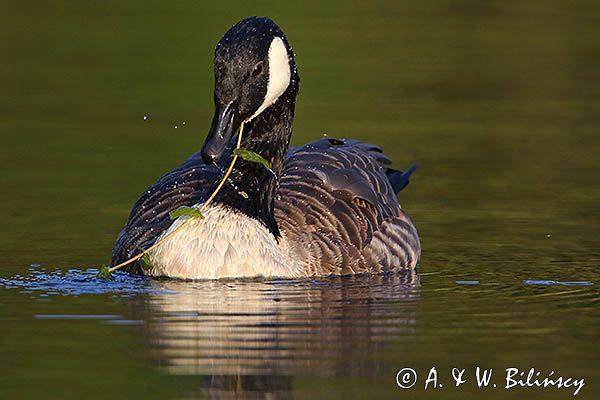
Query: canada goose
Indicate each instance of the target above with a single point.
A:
(328, 207)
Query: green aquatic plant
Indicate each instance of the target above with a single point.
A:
(104, 273)
(146, 262)
(185, 211)
(251, 156)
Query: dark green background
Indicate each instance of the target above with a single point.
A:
(498, 103)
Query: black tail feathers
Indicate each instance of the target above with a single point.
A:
(399, 179)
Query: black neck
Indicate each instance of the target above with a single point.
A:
(251, 187)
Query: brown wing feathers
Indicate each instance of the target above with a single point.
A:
(337, 208)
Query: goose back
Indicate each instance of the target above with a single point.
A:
(339, 213)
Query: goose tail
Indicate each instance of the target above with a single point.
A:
(399, 179)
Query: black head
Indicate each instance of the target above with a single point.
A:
(254, 66)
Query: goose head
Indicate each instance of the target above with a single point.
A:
(254, 68)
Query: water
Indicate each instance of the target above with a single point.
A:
(498, 103)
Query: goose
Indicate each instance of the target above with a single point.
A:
(329, 207)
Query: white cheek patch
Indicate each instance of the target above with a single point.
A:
(279, 74)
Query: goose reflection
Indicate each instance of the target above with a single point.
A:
(251, 336)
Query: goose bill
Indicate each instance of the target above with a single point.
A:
(220, 134)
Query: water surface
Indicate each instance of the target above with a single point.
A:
(498, 103)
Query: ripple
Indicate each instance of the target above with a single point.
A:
(544, 282)
(76, 282)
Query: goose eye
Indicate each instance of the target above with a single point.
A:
(258, 68)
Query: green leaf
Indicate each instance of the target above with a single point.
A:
(187, 212)
(104, 273)
(146, 262)
(252, 157)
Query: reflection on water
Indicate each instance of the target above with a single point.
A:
(240, 338)
(259, 334)
(258, 338)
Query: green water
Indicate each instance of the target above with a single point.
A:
(498, 103)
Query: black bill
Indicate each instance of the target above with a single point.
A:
(220, 134)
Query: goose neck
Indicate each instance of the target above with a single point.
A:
(251, 187)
